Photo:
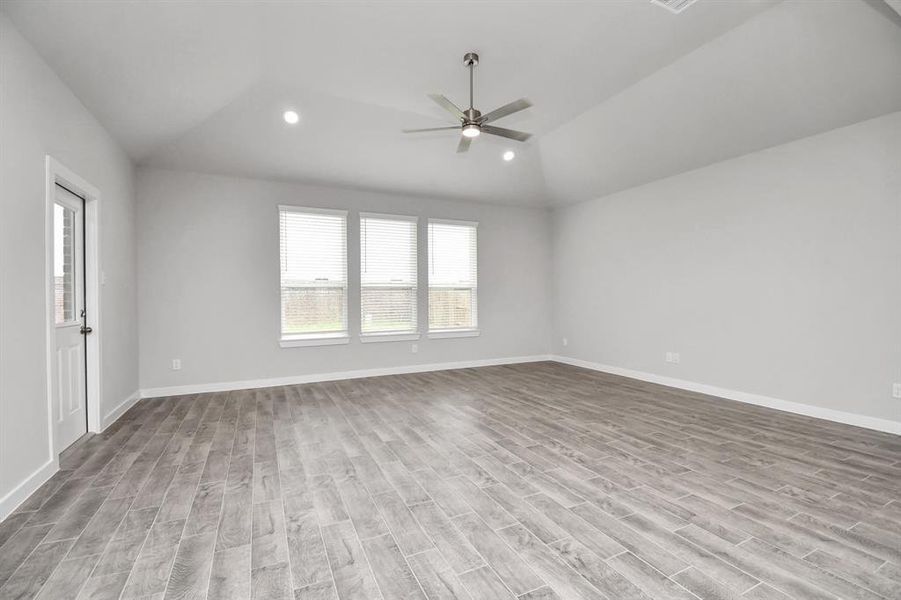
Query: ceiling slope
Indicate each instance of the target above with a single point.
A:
(624, 91)
(798, 69)
(147, 70)
(351, 144)
(201, 86)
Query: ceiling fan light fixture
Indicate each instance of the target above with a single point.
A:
(473, 122)
(471, 130)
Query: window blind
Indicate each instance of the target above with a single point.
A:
(453, 275)
(388, 274)
(313, 272)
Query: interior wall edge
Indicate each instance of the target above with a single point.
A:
(798, 408)
(27, 487)
(11, 501)
(110, 417)
(226, 386)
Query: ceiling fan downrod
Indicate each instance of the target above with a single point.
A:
(471, 60)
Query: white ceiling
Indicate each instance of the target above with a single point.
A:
(624, 91)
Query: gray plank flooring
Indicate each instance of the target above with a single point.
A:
(539, 481)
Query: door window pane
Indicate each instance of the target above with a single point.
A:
(64, 263)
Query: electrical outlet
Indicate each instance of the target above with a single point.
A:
(176, 364)
(676, 357)
(414, 348)
(672, 357)
(896, 390)
(565, 342)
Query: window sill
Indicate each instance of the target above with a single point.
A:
(453, 333)
(367, 338)
(314, 340)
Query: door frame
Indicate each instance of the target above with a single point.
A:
(56, 172)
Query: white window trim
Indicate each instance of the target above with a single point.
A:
(401, 336)
(455, 222)
(438, 334)
(308, 209)
(317, 339)
(314, 339)
(386, 216)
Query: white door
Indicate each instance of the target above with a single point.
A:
(69, 391)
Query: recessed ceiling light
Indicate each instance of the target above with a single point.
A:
(509, 155)
(291, 117)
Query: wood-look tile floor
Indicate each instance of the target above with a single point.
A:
(535, 481)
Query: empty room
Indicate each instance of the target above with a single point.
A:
(474, 300)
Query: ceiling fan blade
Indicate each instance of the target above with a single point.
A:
(457, 127)
(519, 136)
(463, 146)
(447, 105)
(507, 109)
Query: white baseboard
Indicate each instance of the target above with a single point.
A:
(334, 376)
(21, 492)
(110, 417)
(798, 408)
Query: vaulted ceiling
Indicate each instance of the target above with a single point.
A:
(624, 92)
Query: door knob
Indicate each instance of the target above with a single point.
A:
(86, 330)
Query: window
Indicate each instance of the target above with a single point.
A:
(64, 263)
(387, 275)
(313, 276)
(453, 278)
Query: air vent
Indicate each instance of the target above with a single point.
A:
(674, 6)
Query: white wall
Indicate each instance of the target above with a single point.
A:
(40, 116)
(777, 273)
(209, 281)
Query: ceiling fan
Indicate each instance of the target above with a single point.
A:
(473, 122)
